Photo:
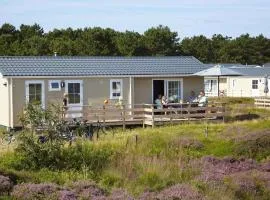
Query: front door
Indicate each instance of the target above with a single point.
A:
(34, 92)
(74, 89)
(158, 89)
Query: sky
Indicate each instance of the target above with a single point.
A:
(187, 17)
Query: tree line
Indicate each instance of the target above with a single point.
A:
(31, 40)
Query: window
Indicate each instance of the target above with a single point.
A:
(173, 91)
(115, 89)
(210, 86)
(35, 92)
(74, 93)
(54, 85)
(255, 84)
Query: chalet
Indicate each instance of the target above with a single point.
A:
(91, 80)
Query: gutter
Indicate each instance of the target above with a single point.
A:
(105, 76)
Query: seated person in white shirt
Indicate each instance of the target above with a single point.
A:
(202, 99)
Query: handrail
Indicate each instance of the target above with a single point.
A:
(143, 112)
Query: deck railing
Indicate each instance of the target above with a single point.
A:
(145, 114)
(262, 102)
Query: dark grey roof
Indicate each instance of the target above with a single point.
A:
(252, 71)
(94, 66)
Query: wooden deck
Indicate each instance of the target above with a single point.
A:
(262, 102)
(146, 114)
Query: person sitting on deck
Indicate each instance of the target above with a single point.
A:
(192, 98)
(173, 99)
(158, 102)
(164, 102)
(202, 99)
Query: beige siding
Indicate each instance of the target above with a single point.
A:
(4, 102)
(192, 83)
(143, 87)
(95, 91)
(142, 90)
(243, 87)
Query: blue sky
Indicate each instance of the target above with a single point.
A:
(187, 17)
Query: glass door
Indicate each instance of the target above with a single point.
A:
(173, 91)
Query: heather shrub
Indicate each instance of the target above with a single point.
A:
(179, 191)
(255, 145)
(67, 195)
(120, 194)
(249, 185)
(30, 191)
(214, 169)
(5, 185)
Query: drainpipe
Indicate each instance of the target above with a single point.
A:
(11, 103)
(130, 92)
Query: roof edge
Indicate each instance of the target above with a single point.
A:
(105, 76)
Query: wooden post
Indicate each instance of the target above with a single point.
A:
(124, 116)
(153, 116)
(104, 114)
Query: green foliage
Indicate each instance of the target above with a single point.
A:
(39, 155)
(155, 41)
(256, 146)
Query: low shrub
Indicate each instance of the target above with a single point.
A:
(37, 155)
(215, 169)
(255, 145)
(179, 191)
(249, 185)
(6, 185)
(30, 191)
(87, 189)
(67, 195)
(94, 158)
(120, 194)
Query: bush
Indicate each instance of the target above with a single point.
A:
(120, 194)
(35, 191)
(87, 189)
(5, 185)
(37, 155)
(67, 195)
(255, 145)
(249, 185)
(81, 155)
(179, 191)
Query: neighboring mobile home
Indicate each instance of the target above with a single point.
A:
(91, 80)
(250, 84)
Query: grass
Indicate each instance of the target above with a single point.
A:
(157, 159)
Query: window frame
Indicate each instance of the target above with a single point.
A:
(111, 88)
(54, 89)
(257, 84)
(81, 91)
(179, 89)
(27, 83)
